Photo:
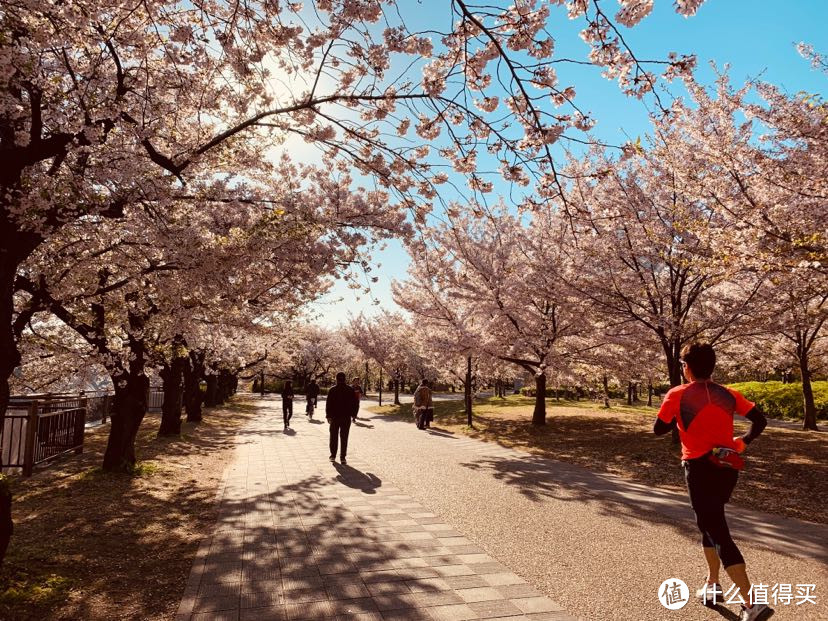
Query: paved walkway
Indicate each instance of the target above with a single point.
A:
(299, 538)
(465, 532)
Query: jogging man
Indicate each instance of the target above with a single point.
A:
(341, 406)
(703, 412)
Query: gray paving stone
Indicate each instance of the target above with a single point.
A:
(455, 612)
(299, 539)
(495, 609)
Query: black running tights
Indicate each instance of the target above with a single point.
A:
(710, 487)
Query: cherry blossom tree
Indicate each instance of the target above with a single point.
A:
(307, 352)
(497, 284)
(645, 255)
(763, 179)
(385, 340)
(105, 104)
(197, 266)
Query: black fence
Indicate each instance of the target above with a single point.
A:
(44, 431)
(38, 428)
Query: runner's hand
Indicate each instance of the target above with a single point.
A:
(740, 445)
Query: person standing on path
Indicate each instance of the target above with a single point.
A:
(341, 407)
(703, 412)
(287, 403)
(311, 395)
(423, 406)
(357, 386)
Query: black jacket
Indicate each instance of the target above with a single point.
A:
(312, 390)
(342, 403)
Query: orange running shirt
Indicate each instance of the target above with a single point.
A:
(704, 412)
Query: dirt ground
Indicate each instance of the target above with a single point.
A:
(786, 472)
(92, 545)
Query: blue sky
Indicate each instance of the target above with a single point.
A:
(755, 37)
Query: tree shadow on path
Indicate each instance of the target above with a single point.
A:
(539, 478)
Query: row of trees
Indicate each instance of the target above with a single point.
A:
(159, 212)
(143, 200)
(714, 230)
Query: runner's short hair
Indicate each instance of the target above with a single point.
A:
(701, 358)
(340, 377)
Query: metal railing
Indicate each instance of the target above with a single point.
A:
(43, 432)
(155, 399)
(98, 403)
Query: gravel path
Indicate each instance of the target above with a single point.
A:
(599, 555)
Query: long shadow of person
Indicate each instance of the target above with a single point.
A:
(366, 482)
(441, 432)
(366, 425)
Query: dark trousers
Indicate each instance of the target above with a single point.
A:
(287, 410)
(340, 428)
(710, 487)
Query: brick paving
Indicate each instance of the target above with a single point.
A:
(298, 538)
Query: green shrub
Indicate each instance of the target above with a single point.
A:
(780, 400)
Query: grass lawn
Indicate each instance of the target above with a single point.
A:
(92, 545)
(786, 470)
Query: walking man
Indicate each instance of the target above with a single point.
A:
(703, 412)
(341, 406)
(287, 403)
(311, 394)
(357, 386)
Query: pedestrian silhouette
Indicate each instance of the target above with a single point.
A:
(341, 408)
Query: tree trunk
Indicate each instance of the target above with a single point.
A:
(9, 359)
(172, 375)
(807, 395)
(396, 392)
(539, 414)
(649, 393)
(130, 407)
(128, 412)
(606, 392)
(223, 387)
(380, 387)
(6, 523)
(193, 372)
(629, 393)
(210, 397)
(672, 350)
(467, 391)
(15, 247)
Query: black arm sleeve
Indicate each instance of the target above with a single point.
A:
(660, 427)
(758, 422)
